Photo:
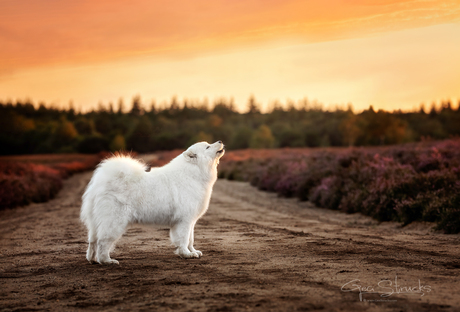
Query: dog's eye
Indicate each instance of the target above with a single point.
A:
(208, 147)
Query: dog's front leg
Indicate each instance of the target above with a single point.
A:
(191, 241)
(180, 237)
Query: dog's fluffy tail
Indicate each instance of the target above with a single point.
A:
(119, 166)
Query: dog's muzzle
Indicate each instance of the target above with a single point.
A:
(221, 151)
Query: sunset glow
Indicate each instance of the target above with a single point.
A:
(390, 54)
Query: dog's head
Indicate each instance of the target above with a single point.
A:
(205, 154)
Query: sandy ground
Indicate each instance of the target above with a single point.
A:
(261, 253)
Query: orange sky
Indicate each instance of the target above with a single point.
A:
(391, 54)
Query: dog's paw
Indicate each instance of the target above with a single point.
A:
(186, 254)
(109, 262)
(91, 259)
(195, 254)
(193, 250)
(189, 255)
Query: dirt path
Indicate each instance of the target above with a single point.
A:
(260, 253)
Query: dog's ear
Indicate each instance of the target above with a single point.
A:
(190, 156)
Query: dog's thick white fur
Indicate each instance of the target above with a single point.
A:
(175, 195)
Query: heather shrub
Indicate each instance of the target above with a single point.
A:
(319, 167)
(404, 183)
(328, 193)
(387, 182)
(267, 174)
(237, 170)
(432, 195)
(67, 169)
(24, 182)
(449, 212)
(290, 180)
(21, 184)
(352, 200)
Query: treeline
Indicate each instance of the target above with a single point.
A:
(26, 129)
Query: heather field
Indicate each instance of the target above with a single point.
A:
(38, 178)
(403, 183)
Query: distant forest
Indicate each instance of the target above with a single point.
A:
(26, 129)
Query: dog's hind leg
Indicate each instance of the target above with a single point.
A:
(103, 251)
(87, 218)
(107, 236)
(112, 225)
(180, 237)
(191, 241)
(92, 244)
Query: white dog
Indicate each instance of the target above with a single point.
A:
(175, 195)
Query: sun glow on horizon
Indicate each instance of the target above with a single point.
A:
(390, 54)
